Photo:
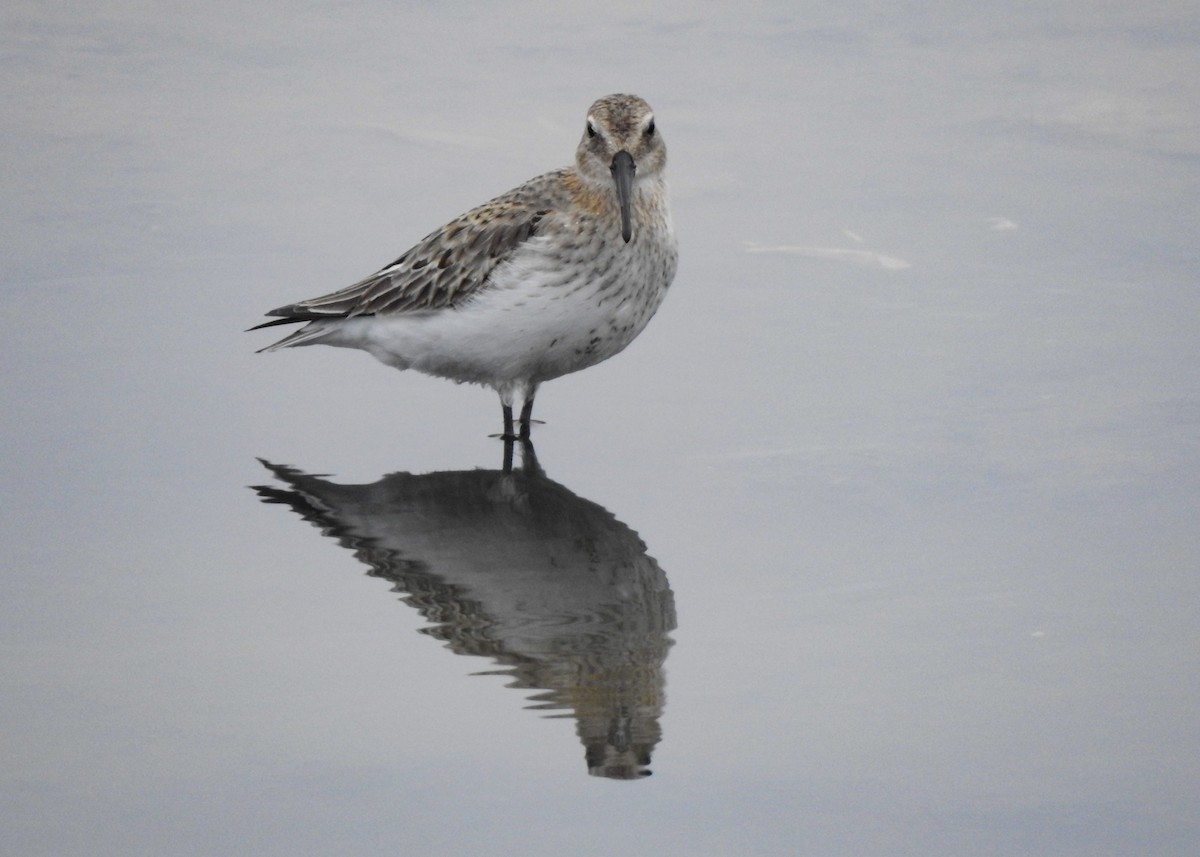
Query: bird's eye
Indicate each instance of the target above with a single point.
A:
(650, 129)
(591, 129)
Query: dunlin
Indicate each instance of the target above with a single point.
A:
(552, 277)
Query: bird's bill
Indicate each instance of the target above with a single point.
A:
(623, 169)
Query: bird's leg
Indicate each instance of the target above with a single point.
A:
(529, 392)
(508, 454)
(526, 413)
(509, 434)
(529, 462)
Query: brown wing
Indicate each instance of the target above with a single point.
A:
(444, 269)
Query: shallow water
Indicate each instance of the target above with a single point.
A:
(881, 539)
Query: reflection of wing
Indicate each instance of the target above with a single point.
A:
(513, 566)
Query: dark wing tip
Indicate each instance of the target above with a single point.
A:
(290, 314)
(274, 322)
(295, 314)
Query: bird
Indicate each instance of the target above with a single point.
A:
(554, 276)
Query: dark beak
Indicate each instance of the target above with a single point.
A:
(623, 169)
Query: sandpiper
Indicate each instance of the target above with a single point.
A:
(552, 277)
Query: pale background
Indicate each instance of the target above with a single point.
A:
(915, 437)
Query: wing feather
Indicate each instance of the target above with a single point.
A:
(444, 269)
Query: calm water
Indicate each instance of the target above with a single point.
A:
(881, 540)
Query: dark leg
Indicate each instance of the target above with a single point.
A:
(508, 422)
(526, 414)
(529, 462)
(508, 454)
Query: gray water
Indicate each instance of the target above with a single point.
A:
(882, 539)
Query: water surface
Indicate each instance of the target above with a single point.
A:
(880, 540)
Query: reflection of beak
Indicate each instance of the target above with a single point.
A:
(623, 169)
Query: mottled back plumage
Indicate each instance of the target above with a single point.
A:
(445, 267)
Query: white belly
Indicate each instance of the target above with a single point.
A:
(541, 317)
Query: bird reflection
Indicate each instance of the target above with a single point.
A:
(510, 565)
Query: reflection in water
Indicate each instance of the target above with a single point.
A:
(509, 565)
